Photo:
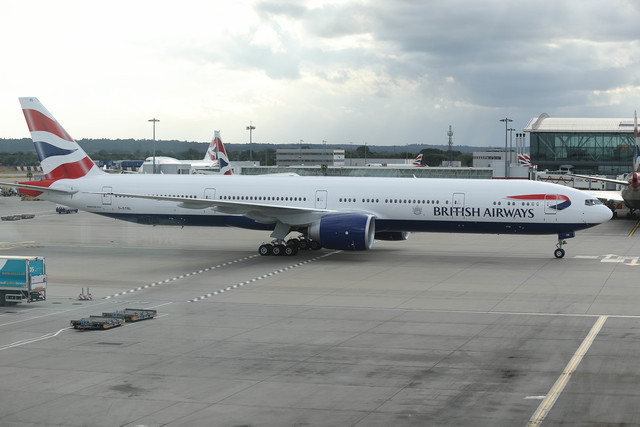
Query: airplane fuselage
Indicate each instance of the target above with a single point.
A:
(398, 204)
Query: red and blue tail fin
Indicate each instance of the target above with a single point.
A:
(636, 150)
(223, 159)
(60, 156)
(418, 160)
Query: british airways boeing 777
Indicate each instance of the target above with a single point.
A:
(330, 212)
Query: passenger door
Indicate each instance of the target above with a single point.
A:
(106, 198)
(321, 199)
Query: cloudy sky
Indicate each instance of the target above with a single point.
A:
(353, 71)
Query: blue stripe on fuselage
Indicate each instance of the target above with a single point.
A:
(381, 224)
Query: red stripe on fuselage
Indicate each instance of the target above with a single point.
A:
(39, 122)
(71, 170)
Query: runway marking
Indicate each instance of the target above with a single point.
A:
(634, 229)
(32, 340)
(182, 276)
(52, 313)
(613, 258)
(562, 381)
(264, 276)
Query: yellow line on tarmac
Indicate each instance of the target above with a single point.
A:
(634, 229)
(563, 379)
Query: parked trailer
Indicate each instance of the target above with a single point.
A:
(22, 279)
(132, 314)
(97, 322)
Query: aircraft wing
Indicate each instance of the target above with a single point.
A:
(606, 196)
(264, 213)
(596, 178)
(57, 190)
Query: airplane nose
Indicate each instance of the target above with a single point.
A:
(604, 214)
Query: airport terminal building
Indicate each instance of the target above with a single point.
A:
(590, 145)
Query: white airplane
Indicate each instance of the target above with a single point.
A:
(417, 163)
(215, 157)
(331, 212)
(630, 193)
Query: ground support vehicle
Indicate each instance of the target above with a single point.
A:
(132, 314)
(97, 322)
(22, 279)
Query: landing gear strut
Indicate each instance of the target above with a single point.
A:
(559, 252)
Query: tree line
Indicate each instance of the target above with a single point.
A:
(267, 157)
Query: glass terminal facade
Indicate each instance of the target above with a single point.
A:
(603, 151)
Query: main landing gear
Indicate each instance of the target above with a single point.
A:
(288, 248)
(559, 252)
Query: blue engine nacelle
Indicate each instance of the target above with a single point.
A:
(348, 231)
(392, 235)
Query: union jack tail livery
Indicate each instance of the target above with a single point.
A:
(636, 156)
(223, 159)
(418, 160)
(60, 156)
(212, 152)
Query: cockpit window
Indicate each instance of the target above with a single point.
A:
(592, 202)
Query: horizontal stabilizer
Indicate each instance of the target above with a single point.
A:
(39, 188)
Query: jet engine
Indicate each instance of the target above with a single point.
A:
(347, 231)
(392, 235)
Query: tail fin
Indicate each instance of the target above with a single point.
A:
(223, 159)
(60, 156)
(636, 155)
(418, 160)
(212, 152)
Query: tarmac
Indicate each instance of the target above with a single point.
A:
(439, 330)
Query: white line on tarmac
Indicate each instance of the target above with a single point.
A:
(563, 379)
(273, 273)
(32, 340)
(182, 276)
(54, 313)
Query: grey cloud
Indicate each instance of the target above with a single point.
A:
(499, 53)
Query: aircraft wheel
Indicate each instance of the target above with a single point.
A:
(278, 249)
(290, 250)
(315, 245)
(303, 244)
(266, 249)
(559, 253)
(294, 242)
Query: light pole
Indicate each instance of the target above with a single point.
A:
(511, 145)
(506, 165)
(324, 152)
(300, 154)
(365, 153)
(250, 128)
(154, 120)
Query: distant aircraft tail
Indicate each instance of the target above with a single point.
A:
(418, 160)
(212, 152)
(223, 159)
(636, 155)
(60, 156)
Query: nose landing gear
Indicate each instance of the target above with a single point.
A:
(559, 252)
